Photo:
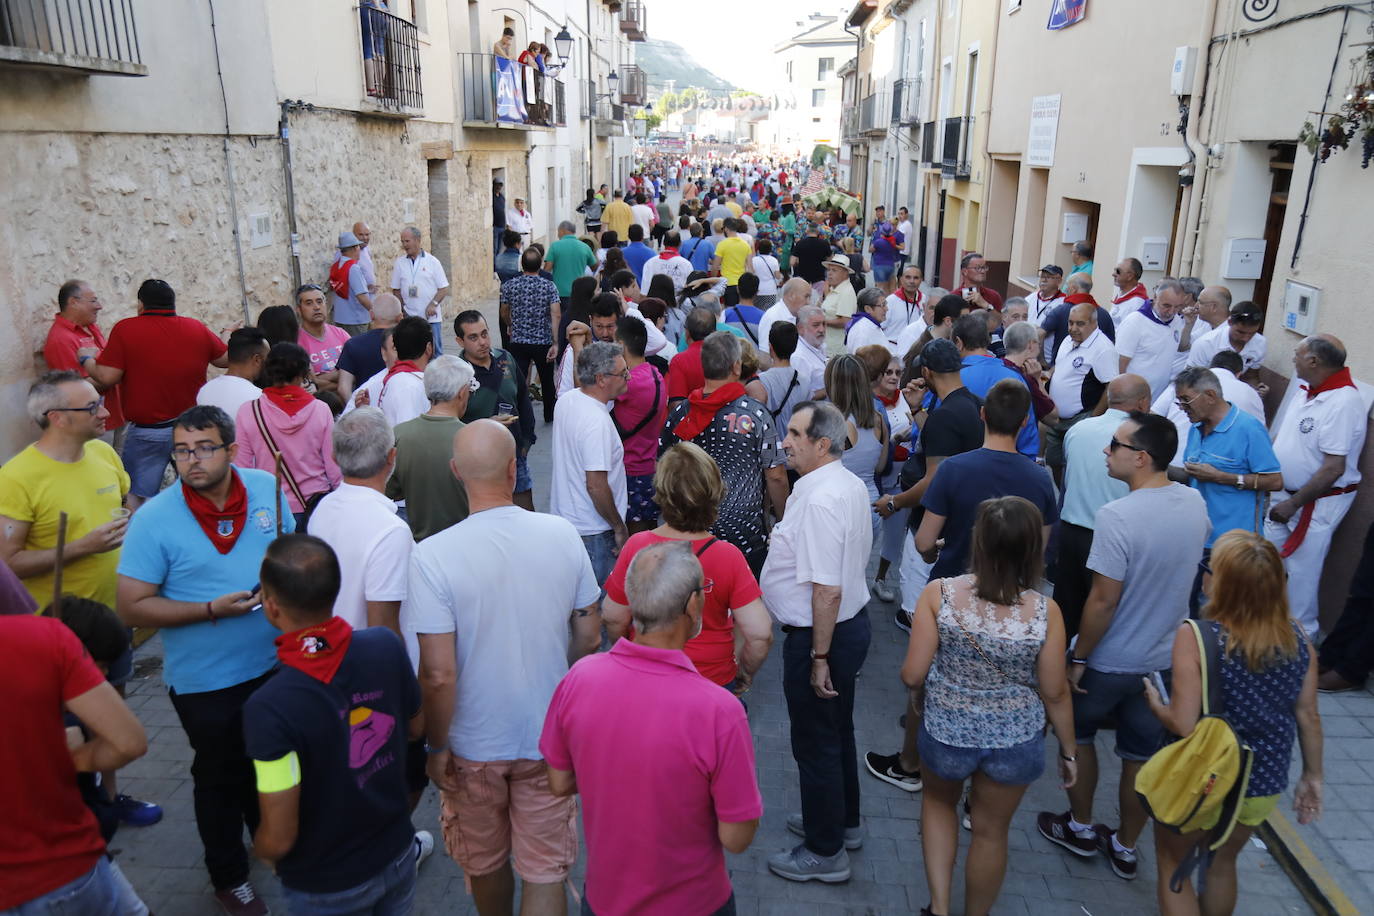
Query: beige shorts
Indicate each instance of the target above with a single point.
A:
(505, 807)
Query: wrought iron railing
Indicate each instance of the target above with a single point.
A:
(498, 90)
(955, 162)
(929, 143)
(391, 60)
(870, 114)
(86, 35)
(849, 123)
(634, 85)
(906, 102)
(632, 20)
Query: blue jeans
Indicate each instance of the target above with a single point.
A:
(523, 481)
(823, 731)
(601, 550)
(96, 893)
(390, 891)
(146, 453)
(436, 328)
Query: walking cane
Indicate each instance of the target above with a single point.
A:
(276, 456)
(57, 565)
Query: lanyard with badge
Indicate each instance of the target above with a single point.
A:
(413, 290)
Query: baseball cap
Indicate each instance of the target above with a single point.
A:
(1052, 269)
(939, 355)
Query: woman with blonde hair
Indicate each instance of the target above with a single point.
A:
(865, 450)
(1269, 690)
(885, 376)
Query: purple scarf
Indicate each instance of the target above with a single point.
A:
(1148, 310)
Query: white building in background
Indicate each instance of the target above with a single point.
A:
(807, 86)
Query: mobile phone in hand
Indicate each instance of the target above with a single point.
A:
(1158, 680)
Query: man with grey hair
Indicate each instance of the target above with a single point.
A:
(422, 478)
(672, 722)
(738, 433)
(794, 295)
(809, 358)
(1150, 338)
(361, 357)
(418, 280)
(567, 259)
(815, 585)
(866, 327)
(1192, 287)
(588, 485)
(1021, 345)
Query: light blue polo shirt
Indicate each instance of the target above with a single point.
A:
(166, 546)
(1087, 486)
(1239, 445)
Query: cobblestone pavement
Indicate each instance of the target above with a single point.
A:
(164, 861)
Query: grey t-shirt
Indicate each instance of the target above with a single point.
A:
(776, 382)
(1151, 541)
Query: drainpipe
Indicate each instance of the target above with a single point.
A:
(1197, 150)
(229, 171)
(939, 236)
(294, 239)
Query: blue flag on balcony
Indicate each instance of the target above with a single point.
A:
(509, 105)
(1065, 13)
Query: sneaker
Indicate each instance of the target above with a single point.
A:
(884, 591)
(137, 813)
(801, 864)
(967, 820)
(1123, 863)
(902, 619)
(1055, 828)
(242, 901)
(424, 847)
(853, 836)
(1332, 682)
(888, 768)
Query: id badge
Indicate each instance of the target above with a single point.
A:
(412, 292)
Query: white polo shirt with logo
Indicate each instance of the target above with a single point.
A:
(1332, 423)
(419, 281)
(1150, 347)
(1095, 354)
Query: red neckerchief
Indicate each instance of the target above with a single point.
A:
(901, 294)
(1138, 292)
(669, 253)
(290, 398)
(890, 401)
(1338, 379)
(221, 526)
(401, 365)
(1076, 298)
(317, 650)
(704, 407)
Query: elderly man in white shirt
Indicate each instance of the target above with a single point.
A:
(519, 220)
(907, 305)
(810, 358)
(1149, 337)
(814, 584)
(794, 295)
(418, 280)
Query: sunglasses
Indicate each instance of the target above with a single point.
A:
(1117, 443)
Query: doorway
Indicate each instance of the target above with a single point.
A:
(1281, 167)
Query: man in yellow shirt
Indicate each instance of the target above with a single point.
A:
(732, 254)
(732, 206)
(839, 303)
(67, 470)
(617, 217)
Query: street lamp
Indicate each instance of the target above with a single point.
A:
(562, 45)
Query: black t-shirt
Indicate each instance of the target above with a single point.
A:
(362, 356)
(350, 737)
(952, 428)
(811, 253)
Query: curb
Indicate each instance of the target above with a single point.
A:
(1303, 868)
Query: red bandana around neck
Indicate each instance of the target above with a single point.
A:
(1338, 379)
(401, 365)
(668, 254)
(290, 398)
(704, 407)
(221, 526)
(1138, 292)
(317, 650)
(1076, 298)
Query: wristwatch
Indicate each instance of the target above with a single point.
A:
(891, 506)
(1240, 481)
(819, 656)
(81, 360)
(431, 749)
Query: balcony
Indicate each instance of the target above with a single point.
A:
(929, 144)
(634, 85)
(506, 94)
(608, 120)
(82, 37)
(849, 124)
(872, 116)
(391, 65)
(955, 162)
(906, 102)
(632, 20)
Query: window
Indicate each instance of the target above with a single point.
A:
(825, 68)
(817, 98)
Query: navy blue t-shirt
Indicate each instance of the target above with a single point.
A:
(961, 484)
(350, 736)
(362, 356)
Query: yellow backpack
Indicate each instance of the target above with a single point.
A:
(1200, 779)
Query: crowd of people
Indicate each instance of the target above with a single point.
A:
(332, 537)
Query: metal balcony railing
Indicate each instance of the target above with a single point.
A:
(608, 119)
(391, 61)
(634, 85)
(498, 91)
(906, 102)
(955, 162)
(849, 123)
(870, 114)
(929, 143)
(77, 36)
(632, 21)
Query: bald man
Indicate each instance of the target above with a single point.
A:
(480, 616)
(361, 357)
(1087, 488)
(795, 294)
(364, 234)
(1085, 363)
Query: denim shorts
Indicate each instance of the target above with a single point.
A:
(640, 496)
(1018, 765)
(601, 551)
(1138, 733)
(146, 455)
(882, 272)
(523, 482)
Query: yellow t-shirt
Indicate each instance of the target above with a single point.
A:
(36, 489)
(617, 218)
(734, 208)
(733, 253)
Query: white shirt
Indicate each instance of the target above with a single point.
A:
(1071, 367)
(1211, 343)
(565, 371)
(584, 439)
(657, 342)
(1039, 307)
(519, 222)
(908, 337)
(646, 216)
(904, 227)
(1232, 389)
(865, 332)
(901, 313)
(1332, 423)
(824, 538)
(1150, 347)
(778, 311)
(425, 275)
(510, 629)
(373, 546)
(228, 393)
(402, 397)
(809, 361)
(677, 268)
(365, 262)
(765, 267)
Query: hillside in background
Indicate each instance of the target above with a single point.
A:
(665, 60)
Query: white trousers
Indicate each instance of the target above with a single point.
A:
(1304, 565)
(915, 574)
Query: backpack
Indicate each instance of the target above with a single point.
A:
(338, 277)
(1201, 778)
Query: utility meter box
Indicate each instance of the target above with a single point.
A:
(1300, 307)
(1183, 71)
(1154, 251)
(1075, 228)
(1244, 259)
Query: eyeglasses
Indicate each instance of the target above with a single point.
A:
(1187, 402)
(1117, 443)
(624, 373)
(892, 372)
(203, 452)
(92, 408)
(705, 587)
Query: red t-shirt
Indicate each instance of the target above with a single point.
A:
(733, 586)
(59, 352)
(50, 837)
(164, 359)
(684, 372)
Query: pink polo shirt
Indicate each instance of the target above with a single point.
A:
(656, 774)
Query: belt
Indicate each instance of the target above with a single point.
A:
(165, 424)
(1299, 534)
(788, 628)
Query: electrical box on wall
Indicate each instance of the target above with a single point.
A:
(1244, 259)
(1300, 307)
(1154, 251)
(1075, 228)
(1183, 71)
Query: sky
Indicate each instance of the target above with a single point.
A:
(733, 38)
